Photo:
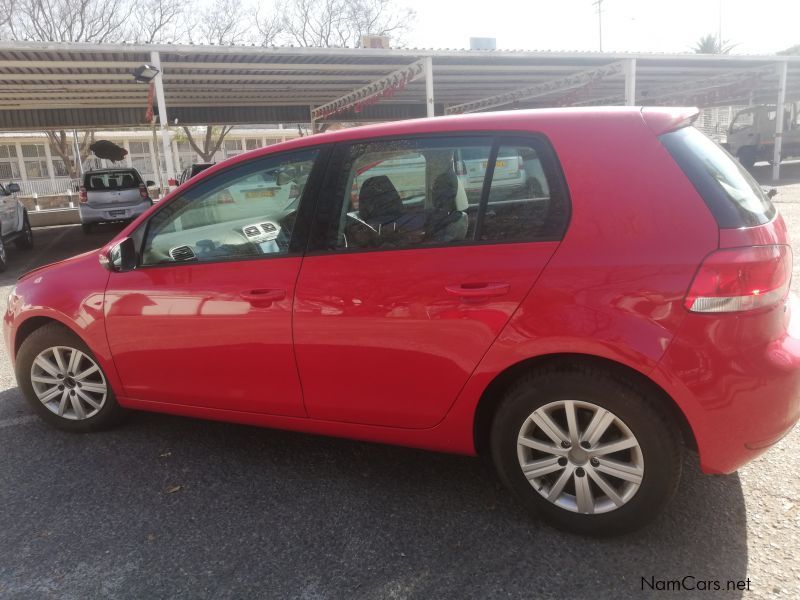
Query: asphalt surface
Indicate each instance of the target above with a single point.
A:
(165, 507)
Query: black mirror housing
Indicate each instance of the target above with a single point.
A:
(122, 257)
(12, 188)
(150, 183)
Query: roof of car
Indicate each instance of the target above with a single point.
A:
(659, 119)
(96, 171)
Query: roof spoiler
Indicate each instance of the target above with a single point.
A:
(662, 120)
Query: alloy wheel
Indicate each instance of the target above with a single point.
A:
(580, 456)
(69, 383)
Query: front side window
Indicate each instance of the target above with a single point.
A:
(410, 193)
(743, 120)
(247, 211)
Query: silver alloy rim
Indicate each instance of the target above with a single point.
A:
(2, 250)
(580, 456)
(69, 383)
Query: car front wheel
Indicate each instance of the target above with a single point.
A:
(587, 450)
(63, 382)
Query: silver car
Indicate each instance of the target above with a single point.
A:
(112, 195)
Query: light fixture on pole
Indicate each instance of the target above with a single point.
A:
(145, 73)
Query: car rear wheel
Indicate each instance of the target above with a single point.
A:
(590, 452)
(63, 382)
(25, 239)
(747, 157)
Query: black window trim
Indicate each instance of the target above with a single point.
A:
(305, 210)
(321, 224)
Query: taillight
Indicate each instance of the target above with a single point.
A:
(143, 191)
(82, 195)
(740, 279)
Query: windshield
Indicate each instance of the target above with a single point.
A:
(743, 120)
(112, 180)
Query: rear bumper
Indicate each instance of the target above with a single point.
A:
(123, 213)
(740, 398)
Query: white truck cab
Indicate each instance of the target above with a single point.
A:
(751, 135)
(14, 223)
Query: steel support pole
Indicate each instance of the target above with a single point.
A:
(630, 82)
(783, 68)
(429, 86)
(163, 119)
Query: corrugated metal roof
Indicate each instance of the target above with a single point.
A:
(46, 85)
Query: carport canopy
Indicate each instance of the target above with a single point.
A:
(77, 85)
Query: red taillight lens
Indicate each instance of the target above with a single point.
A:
(82, 195)
(143, 191)
(740, 279)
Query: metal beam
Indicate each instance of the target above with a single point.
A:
(783, 68)
(163, 118)
(630, 81)
(429, 111)
(372, 90)
(542, 89)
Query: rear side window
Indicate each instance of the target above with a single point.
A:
(407, 193)
(112, 180)
(731, 193)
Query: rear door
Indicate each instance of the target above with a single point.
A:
(397, 301)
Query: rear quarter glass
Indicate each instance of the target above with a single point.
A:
(729, 191)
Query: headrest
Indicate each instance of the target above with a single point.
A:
(379, 199)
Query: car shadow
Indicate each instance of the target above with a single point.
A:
(231, 507)
(790, 174)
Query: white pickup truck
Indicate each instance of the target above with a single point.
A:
(14, 223)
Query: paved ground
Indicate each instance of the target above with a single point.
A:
(270, 514)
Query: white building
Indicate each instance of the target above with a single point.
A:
(28, 159)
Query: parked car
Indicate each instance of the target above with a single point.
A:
(582, 337)
(112, 195)
(14, 223)
(193, 170)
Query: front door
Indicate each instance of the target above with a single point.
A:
(408, 283)
(205, 320)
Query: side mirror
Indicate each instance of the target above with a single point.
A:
(12, 188)
(150, 183)
(283, 178)
(120, 258)
(772, 193)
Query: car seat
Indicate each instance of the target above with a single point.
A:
(447, 222)
(380, 207)
(128, 181)
(98, 183)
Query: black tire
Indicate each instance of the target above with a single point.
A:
(110, 412)
(640, 410)
(747, 157)
(87, 228)
(25, 239)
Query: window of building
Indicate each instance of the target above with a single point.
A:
(9, 167)
(35, 159)
(232, 147)
(252, 144)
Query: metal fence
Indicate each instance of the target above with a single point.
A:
(34, 188)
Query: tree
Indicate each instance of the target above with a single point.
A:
(339, 23)
(710, 44)
(220, 23)
(791, 51)
(64, 147)
(159, 21)
(212, 141)
(67, 20)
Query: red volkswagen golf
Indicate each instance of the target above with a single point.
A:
(613, 290)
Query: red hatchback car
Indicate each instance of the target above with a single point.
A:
(628, 300)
